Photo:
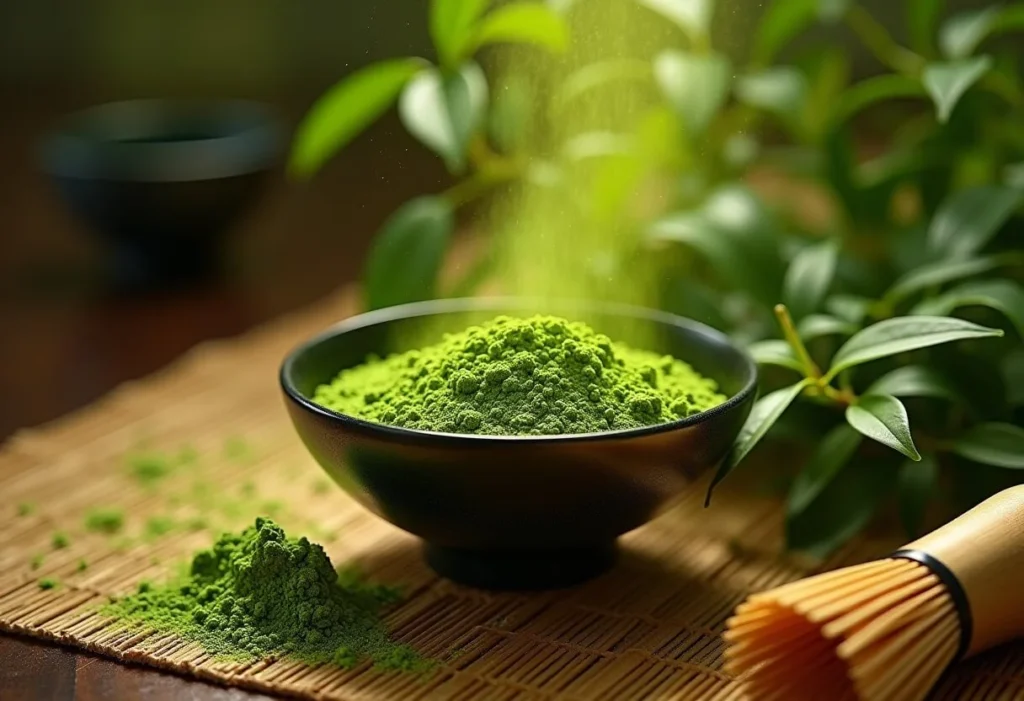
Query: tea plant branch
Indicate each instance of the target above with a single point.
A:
(789, 331)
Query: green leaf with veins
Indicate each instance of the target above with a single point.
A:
(774, 352)
(405, 260)
(695, 85)
(766, 411)
(347, 109)
(934, 274)
(902, 334)
(523, 23)
(883, 418)
(452, 26)
(947, 82)
(443, 109)
(1004, 296)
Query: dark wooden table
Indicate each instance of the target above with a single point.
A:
(64, 341)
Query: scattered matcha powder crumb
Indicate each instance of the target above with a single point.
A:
(157, 526)
(26, 508)
(248, 489)
(321, 486)
(37, 561)
(187, 455)
(237, 448)
(104, 520)
(542, 376)
(273, 508)
(48, 583)
(260, 594)
(60, 540)
(149, 468)
(197, 523)
(82, 566)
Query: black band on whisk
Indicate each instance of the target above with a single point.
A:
(956, 593)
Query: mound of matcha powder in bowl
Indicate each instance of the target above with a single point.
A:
(259, 594)
(510, 376)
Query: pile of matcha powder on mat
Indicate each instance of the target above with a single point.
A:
(260, 594)
(541, 375)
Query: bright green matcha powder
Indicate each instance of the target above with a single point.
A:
(539, 376)
(260, 594)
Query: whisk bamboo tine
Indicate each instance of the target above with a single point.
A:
(886, 630)
(891, 620)
(915, 646)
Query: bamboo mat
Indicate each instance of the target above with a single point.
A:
(647, 630)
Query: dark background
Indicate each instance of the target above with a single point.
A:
(63, 341)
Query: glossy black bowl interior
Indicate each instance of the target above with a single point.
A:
(524, 511)
(160, 181)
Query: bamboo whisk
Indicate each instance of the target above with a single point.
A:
(888, 629)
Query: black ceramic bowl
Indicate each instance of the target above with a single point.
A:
(160, 181)
(516, 512)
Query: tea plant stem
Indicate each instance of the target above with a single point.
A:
(877, 40)
(793, 338)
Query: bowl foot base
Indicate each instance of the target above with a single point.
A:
(521, 569)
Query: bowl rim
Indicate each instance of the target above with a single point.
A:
(72, 147)
(468, 304)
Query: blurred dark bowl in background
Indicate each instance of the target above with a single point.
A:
(161, 181)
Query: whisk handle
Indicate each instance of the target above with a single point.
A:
(984, 550)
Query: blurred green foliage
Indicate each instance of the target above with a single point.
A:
(889, 325)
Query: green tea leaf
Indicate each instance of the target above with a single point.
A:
(883, 418)
(871, 91)
(405, 260)
(779, 90)
(765, 412)
(725, 254)
(809, 276)
(917, 482)
(850, 308)
(443, 110)
(922, 19)
(961, 34)
(947, 82)
(996, 444)
(968, 219)
(818, 325)
(693, 16)
(695, 85)
(774, 352)
(842, 509)
(902, 334)
(781, 22)
(523, 23)
(939, 273)
(1004, 296)
(452, 26)
(832, 453)
(913, 381)
(345, 110)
